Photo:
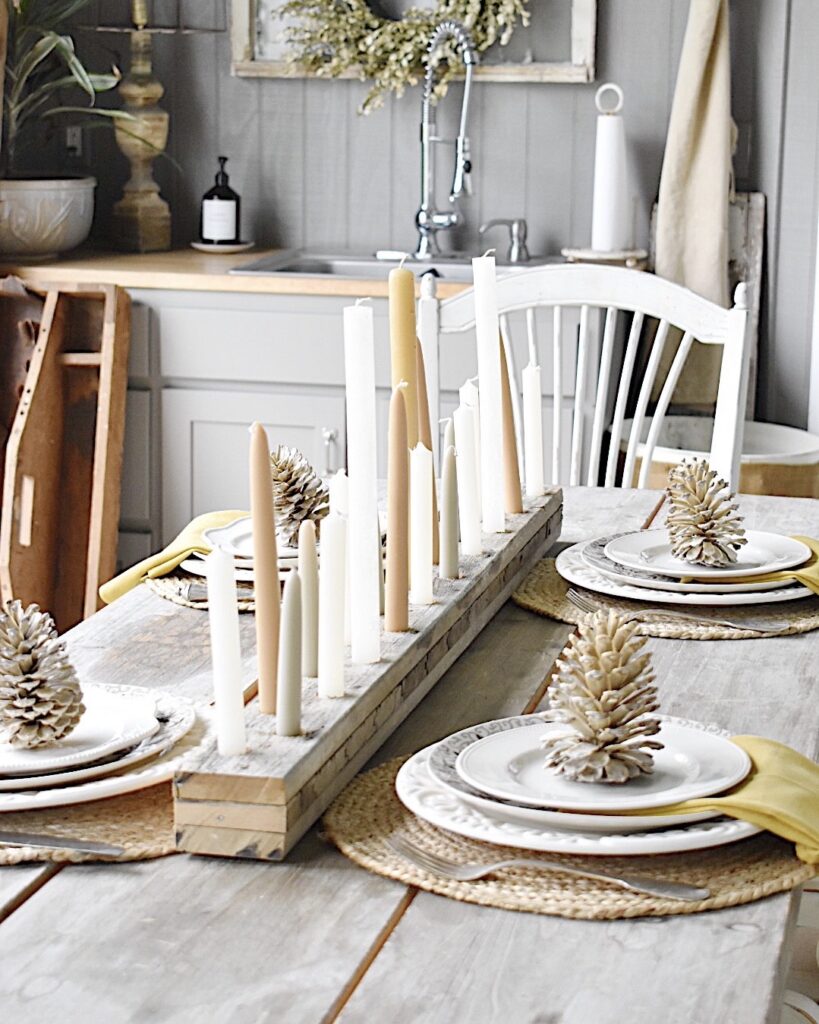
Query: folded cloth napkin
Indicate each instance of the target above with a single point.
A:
(806, 574)
(189, 540)
(780, 794)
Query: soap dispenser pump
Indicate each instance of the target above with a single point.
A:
(219, 224)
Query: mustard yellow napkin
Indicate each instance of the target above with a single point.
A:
(188, 541)
(781, 794)
(807, 574)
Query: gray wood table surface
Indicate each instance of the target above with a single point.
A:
(319, 939)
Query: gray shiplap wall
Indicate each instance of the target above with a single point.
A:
(313, 172)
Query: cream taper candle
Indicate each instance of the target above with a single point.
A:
(448, 567)
(364, 544)
(332, 573)
(532, 431)
(403, 342)
(469, 511)
(266, 568)
(288, 715)
(308, 575)
(425, 438)
(339, 499)
(449, 436)
(223, 613)
(487, 332)
(420, 525)
(396, 611)
(468, 394)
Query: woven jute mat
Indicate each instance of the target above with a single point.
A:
(368, 812)
(171, 588)
(141, 823)
(544, 591)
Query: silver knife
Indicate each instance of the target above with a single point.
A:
(59, 843)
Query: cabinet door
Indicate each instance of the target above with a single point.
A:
(205, 445)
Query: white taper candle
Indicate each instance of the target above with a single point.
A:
(532, 431)
(332, 584)
(364, 544)
(223, 613)
(448, 568)
(420, 525)
(469, 510)
(308, 574)
(288, 707)
(487, 331)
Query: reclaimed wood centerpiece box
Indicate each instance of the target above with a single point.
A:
(259, 804)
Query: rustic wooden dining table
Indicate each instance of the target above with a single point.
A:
(317, 938)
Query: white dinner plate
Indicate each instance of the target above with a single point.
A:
(175, 718)
(160, 769)
(694, 762)
(197, 567)
(112, 721)
(593, 553)
(428, 799)
(763, 552)
(441, 764)
(572, 567)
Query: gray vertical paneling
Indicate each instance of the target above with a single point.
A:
(312, 172)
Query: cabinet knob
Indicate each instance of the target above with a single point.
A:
(329, 436)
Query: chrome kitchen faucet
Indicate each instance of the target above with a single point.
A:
(429, 220)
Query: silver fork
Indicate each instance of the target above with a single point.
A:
(589, 605)
(443, 868)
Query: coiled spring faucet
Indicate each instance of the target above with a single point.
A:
(429, 220)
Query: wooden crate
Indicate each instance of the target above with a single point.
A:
(63, 459)
(259, 804)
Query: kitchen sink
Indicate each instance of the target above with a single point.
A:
(302, 263)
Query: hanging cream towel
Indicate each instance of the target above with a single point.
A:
(692, 210)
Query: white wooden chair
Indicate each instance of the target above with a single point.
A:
(622, 296)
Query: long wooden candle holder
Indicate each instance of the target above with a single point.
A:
(259, 804)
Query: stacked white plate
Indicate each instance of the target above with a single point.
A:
(640, 566)
(490, 783)
(127, 739)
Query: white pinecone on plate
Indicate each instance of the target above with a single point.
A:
(704, 525)
(298, 492)
(40, 696)
(603, 693)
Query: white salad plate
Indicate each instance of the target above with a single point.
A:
(573, 567)
(160, 769)
(763, 552)
(694, 762)
(593, 553)
(112, 721)
(441, 765)
(425, 797)
(175, 718)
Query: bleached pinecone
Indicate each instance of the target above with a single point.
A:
(603, 693)
(40, 696)
(298, 492)
(703, 523)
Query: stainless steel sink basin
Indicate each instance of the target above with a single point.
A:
(301, 263)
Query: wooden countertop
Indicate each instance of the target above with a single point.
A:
(189, 270)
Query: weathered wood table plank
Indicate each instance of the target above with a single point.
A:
(192, 939)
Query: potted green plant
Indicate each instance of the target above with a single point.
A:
(39, 215)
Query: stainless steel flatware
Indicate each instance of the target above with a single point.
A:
(59, 843)
(194, 591)
(436, 865)
(590, 606)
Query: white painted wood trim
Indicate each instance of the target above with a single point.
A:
(632, 347)
(579, 396)
(813, 393)
(557, 387)
(642, 399)
(601, 400)
(662, 406)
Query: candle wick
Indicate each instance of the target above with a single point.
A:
(472, 380)
(489, 252)
(404, 259)
(402, 384)
(364, 298)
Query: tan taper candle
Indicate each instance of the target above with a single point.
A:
(425, 437)
(396, 605)
(512, 501)
(266, 568)
(402, 344)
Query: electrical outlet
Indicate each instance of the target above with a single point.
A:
(73, 140)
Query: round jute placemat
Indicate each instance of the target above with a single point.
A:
(544, 591)
(171, 588)
(141, 823)
(368, 812)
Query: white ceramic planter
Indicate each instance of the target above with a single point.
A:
(40, 218)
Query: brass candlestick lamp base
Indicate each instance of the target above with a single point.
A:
(142, 218)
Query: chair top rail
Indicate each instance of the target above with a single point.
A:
(581, 285)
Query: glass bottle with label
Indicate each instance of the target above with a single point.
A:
(219, 224)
